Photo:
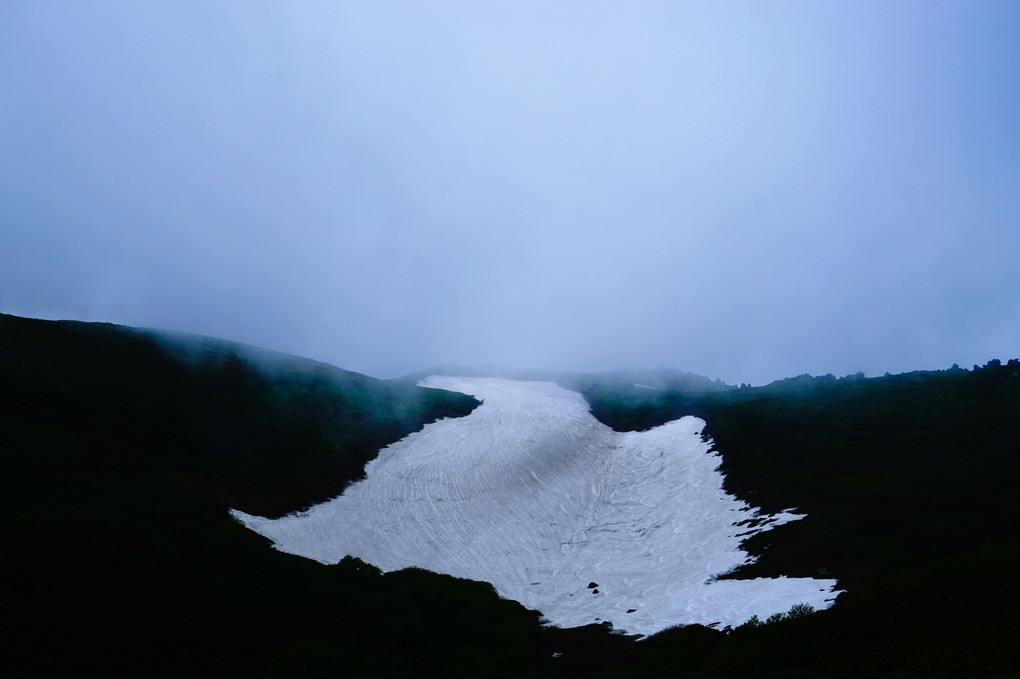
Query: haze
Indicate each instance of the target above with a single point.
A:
(744, 190)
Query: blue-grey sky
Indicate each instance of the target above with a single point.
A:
(748, 190)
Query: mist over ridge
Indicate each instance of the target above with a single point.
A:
(745, 192)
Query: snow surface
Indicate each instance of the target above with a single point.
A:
(534, 495)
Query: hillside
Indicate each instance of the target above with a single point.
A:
(121, 453)
(123, 449)
(908, 483)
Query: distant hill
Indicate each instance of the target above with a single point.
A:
(628, 383)
(122, 449)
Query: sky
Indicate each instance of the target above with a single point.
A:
(746, 190)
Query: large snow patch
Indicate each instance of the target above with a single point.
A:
(559, 512)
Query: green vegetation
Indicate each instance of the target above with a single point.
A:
(122, 450)
(796, 611)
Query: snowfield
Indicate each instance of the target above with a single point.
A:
(559, 512)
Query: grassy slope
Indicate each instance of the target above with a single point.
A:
(120, 458)
(909, 486)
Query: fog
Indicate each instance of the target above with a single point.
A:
(744, 190)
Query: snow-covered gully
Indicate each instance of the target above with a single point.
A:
(559, 512)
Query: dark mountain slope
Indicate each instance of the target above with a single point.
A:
(300, 430)
(909, 484)
(121, 450)
(119, 459)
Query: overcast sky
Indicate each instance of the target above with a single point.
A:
(746, 190)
